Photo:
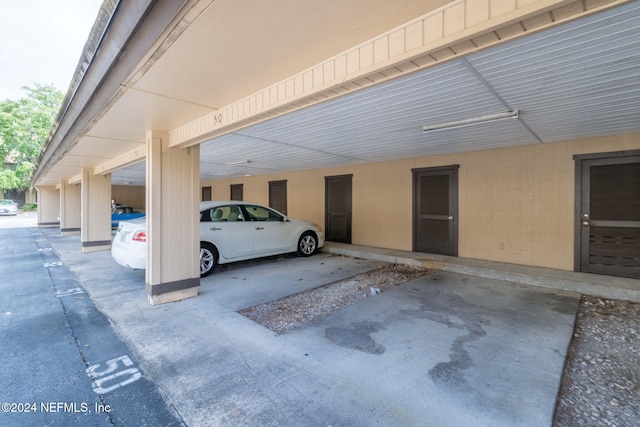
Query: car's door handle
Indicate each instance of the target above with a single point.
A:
(215, 229)
(259, 228)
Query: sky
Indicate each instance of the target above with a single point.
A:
(41, 42)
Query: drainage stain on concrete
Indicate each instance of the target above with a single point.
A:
(452, 311)
(452, 373)
(357, 337)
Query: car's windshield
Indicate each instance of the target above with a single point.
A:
(6, 202)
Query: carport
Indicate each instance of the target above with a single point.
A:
(173, 96)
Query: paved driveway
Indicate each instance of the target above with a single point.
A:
(442, 350)
(60, 361)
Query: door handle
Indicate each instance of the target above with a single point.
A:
(215, 229)
(259, 228)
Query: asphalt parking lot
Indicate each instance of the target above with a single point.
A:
(450, 349)
(61, 361)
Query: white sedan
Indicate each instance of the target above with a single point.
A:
(229, 231)
(8, 207)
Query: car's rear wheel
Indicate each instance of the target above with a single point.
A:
(308, 244)
(208, 258)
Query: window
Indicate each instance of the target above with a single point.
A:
(222, 214)
(258, 213)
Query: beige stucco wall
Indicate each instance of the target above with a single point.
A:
(30, 196)
(70, 207)
(515, 204)
(129, 195)
(49, 204)
(95, 211)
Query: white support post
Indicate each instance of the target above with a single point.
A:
(70, 208)
(48, 205)
(173, 182)
(95, 207)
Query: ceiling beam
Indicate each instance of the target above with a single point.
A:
(127, 159)
(77, 179)
(454, 30)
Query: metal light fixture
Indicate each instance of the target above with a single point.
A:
(468, 122)
(238, 163)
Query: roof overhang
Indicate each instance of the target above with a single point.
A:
(299, 84)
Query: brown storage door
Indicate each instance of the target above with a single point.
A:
(338, 208)
(435, 210)
(610, 216)
(206, 194)
(236, 191)
(278, 196)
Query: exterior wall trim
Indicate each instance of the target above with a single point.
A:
(178, 285)
(96, 243)
(71, 229)
(436, 168)
(607, 155)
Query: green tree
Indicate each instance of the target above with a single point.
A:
(25, 125)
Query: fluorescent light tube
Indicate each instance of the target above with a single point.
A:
(239, 162)
(468, 122)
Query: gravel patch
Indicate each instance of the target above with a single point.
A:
(288, 313)
(601, 379)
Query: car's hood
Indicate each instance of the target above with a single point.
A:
(303, 222)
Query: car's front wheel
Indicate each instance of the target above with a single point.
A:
(308, 244)
(208, 258)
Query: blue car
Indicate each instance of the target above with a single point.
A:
(124, 213)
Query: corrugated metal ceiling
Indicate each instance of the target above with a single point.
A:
(578, 80)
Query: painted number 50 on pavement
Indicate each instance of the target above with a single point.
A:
(116, 373)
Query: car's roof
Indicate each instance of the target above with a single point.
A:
(216, 203)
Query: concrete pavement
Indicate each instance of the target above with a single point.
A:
(445, 349)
